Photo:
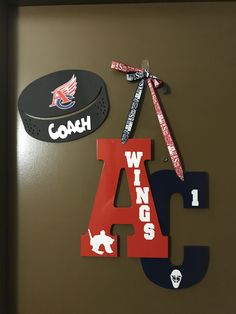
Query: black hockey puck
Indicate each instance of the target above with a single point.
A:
(64, 106)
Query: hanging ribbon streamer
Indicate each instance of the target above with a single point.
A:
(135, 74)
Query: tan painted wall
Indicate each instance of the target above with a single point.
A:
(192, 47)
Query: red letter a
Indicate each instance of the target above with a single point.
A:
(147, 240)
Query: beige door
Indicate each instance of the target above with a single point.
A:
(192, 47)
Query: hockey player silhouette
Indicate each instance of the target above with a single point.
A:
(100, 239)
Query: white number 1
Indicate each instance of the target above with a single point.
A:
(195, 201)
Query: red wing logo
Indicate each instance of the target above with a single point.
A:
(63, 96)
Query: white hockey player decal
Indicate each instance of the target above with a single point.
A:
(101, 239)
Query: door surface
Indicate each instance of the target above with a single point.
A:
(192, 47)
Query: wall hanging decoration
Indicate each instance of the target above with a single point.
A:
(148, 240)
(64, 106)
(142, 75)
(67, 105)
(194, 192)
(149, 213)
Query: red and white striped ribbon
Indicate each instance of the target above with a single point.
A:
(155, 82)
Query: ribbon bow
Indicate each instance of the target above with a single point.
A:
(142, 75)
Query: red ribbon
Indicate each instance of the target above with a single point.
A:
(154, 82)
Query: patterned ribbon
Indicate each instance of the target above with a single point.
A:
(142, 75)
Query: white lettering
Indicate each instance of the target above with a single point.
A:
(53, 135)
(195, 201)
(77, 127)
(134, 160)
(137, 177)
(144, 213)
(86, 123)
(63, 131)
(81, 129)
(149, 231)
(70, 127)
(142, 195)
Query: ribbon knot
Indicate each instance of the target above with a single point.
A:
(134, 76)
(142, 75)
